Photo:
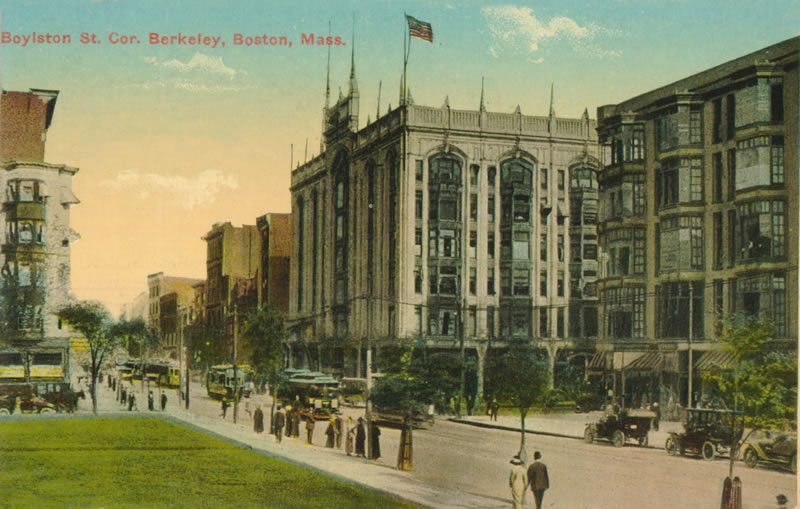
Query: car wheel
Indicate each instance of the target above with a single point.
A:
(750, 458)
(643, 441)
(5, 411)
(618, 438)
(588, 435)
(671, 446)
(709, 451)
(46, 411)
(794, 463)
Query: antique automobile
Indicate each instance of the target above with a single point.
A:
(774, 449)
(23, 399)
(706, 432)
(619, 426)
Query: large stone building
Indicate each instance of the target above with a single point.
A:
(36, 243)
(445, 224)
(275, 232)
(698, 220)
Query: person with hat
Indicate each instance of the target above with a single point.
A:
(310, 429)
(537, 476)
(351, 431)
(518, 481)
(330, 434)
(280, 420)
(361, 438)
(258, 420)
(338, 424)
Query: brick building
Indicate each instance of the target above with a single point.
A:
(698, 220)
(275, 234)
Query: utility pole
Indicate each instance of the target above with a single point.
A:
(180, 353)
(691, 327)
(235, 374)
(463, 357)
(368, 412)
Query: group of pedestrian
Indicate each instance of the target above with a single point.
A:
(534, 476)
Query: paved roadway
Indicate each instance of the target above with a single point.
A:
(476, 460)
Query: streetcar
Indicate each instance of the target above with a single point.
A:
(311, 392)
(221, 384)
(163, 373)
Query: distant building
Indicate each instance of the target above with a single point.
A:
(176, 293)
(442, 224)
(36, 242)
(275, 231)
(698, 221)
(232, 264)
(138, 309)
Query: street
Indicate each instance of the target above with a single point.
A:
(476, 460)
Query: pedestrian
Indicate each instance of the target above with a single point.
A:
(225, 405)
(150, 402)
(310, 429)
(495, 409)
(330, 434)
(258, 420)
(296, 423)
(279, 422)
(131, 403)
(351, 430)
(518, 481)
(163, 401)
(374, 436)
(247, 408)
(123, 397)
(338, 424)
(361, 437)
(538, 479)
(289, 417)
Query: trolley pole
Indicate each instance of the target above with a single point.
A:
(691, 324)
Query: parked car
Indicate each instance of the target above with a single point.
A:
(621, 426)
(775, 449)
(23, 399)
(706, 432)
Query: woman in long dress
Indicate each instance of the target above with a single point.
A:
(351, 431)
(518, 481)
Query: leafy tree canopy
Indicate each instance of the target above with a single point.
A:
(518, 377)
(264, 334)
(134, 334)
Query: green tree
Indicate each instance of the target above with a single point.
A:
(92, 321)
(761, 386)
(136, 337)
(519, 378)
(263, 334)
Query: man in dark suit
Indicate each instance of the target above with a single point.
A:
(537, 477)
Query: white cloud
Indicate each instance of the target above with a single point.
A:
(518, 28)
(189, 193)
(198, 62)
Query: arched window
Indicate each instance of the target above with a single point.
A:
(516, 177)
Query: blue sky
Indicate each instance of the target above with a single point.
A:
(171, 139)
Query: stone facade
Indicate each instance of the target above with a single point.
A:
(445, 224)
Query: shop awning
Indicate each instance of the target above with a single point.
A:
(719, 359)
(650, 361)
(598, 362)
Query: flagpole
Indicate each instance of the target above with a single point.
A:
(405, 56)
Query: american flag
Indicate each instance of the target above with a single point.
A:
(419, 29)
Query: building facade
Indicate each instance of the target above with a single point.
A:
(167, 296)
(698, 221)
(442, 224)
(275, 235)
(36, 243)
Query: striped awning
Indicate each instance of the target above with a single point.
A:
(650, 361)
(719, 359)
(598, 362)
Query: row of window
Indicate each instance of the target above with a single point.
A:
(517, 321)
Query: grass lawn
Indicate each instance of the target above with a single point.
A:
(141, 462)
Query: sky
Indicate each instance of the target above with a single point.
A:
(170, 139)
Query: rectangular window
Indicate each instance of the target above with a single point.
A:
(560, 323)
(696, 180)
(716, 164)
(418, 205)
(543, 178)
(433, 280)
(473, 281)
(418, 315)
(719, 309)
(717, 126)
(731, 174)
(473, 207)
(761, 230)
(505, 282)
(473, 244)
(490, 281)
(521, 247)
(590, 251)
(418, 280)
(776, 103)
(505, 245)
(492, 175)
(490, 209)
(718, 241)
(522, 285)
(543, 283)
(639, 195)
(561, 178)
(731, 237)
(695, 127)
(418, 170)
(543, 248)
(561, 248)
(544, 326)
(639, 246)
(696, 236)
(474, 175)
(731, 116)
(560, 284)
(776, 160)
(490, 244)
(418, 242)
(490, 321)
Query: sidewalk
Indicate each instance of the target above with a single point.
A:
(567, 425)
